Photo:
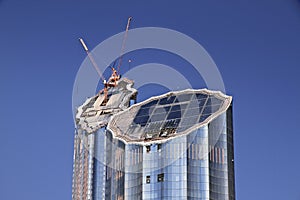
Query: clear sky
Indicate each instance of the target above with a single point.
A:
(255, 44)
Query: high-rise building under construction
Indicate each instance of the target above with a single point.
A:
(178, 145)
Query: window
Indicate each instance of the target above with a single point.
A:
(147, 179)
(148, 149)
(158, 147)
(160, 177)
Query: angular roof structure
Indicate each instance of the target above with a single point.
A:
(96, 111)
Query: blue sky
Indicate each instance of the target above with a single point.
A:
(255, 44)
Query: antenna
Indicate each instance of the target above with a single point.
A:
(123, 44)
(91, 59)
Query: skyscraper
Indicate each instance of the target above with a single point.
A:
(178, 145)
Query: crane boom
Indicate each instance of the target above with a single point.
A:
(124, 43)
(91, 59)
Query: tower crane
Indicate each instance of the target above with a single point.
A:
(115, 77)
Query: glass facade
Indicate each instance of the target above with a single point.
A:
(83, 165)
(198, 164)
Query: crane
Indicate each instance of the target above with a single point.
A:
(115, 77)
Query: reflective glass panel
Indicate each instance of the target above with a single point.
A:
(149, 104)
(167, 100)
(183, 97)
(174, 115)
(162, 110)
(178, 107)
